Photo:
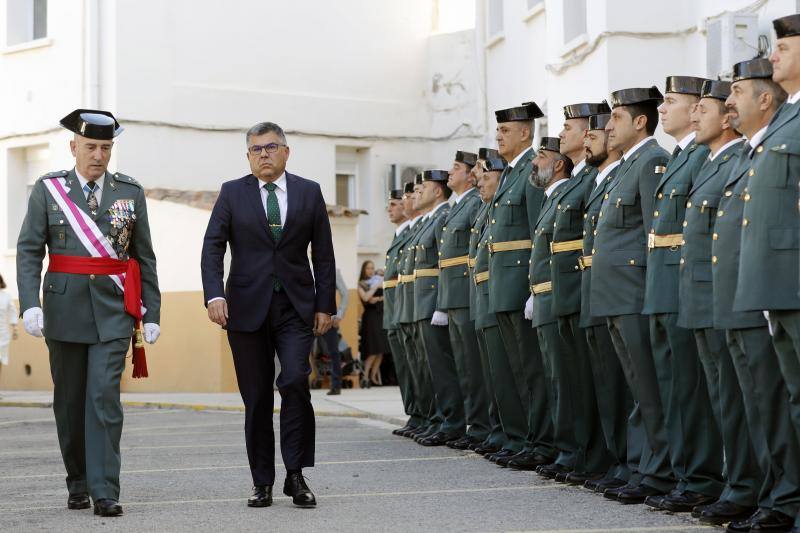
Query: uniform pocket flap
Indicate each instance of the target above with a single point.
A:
(701, 271)
(57, 219)
(707, 200)
(629, 258)
(55, 283)
(514, 198)
(788, 146)
(515, 258)
(624, 198)
(784, 238)
(679, 189)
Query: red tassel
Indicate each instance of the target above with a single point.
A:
(139, 360)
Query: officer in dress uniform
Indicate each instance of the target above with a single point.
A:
(397, 216)
(94, 226)
(695, 456)
(768, 268)
(619, 259)
(454, 299)
(592, 459)
(711, 121)
(753, 101)
(431, 322)
(500, 379)
(512, 218)
(550, 171)
(614, 401)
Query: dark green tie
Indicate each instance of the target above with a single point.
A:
(274, 218)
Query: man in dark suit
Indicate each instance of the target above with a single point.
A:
(272, 303)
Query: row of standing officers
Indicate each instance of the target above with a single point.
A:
(612, 315)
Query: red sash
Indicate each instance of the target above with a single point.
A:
(106, 266)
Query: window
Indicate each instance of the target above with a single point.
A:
(533, 4)
(26, 20)
(495, 18)
(25, 165)
(574, 19)
(346, 190)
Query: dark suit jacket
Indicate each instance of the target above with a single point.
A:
(239, 219)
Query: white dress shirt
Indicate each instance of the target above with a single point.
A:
(794, 98)
(605, 172)
(636, 146)
(548, 191)
(683, 143)
(727, 145)
(98, 190)
(280, 192)
(430, 213)
(578, 168)
(514, 161)
(756, 140)
(401, 227)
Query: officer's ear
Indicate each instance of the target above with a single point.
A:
(640, 122)
(765, 101)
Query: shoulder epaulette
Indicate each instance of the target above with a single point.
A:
(56, 174)
(122, 178)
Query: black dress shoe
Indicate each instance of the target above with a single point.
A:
(655, 501)
(552, 470)
(413, 432)
(107, 507)
(765, 520)
(437, 439)
(502, 454)
(463, 443)
(425, 433)
(262, 496)
(722, 512)
(295, 486)
(685, 501)
(485, 449)
(580, 478)
(78, 501)
(529, 461)
(636, 495)
(400, 431)
(603, 485)
(613, 493)
(504, 461)
(334, 392)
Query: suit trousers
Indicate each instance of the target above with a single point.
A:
(403, 370)
(496, 435)
(88, 413)
(557, 358)
(286, 334)
(631, 338)
(466, 354)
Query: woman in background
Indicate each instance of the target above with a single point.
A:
(373, 337)
(8, 317)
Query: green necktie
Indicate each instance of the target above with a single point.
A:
(274, 218)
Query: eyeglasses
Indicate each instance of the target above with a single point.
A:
(271, 148)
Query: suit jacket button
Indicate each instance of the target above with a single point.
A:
(633, 262)
(745, 222)
(91, 276)
(714, 259)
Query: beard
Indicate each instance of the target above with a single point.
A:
(596, 160)
(540, 177)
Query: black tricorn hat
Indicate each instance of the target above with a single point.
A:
(396, 194)
(488, 153)
(599, 121)
(787, 26)
(527, 111)
(418, 179)
(550, 143)
(93, 124)
(408, 188)
(468, 158)
(494, 164)
(435, 175)
(585, 110)
(684, 85)
(636, 95)
(751, 69)
(718, 89)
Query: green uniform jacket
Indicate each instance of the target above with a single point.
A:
(426, 289)
(669, 209)
(454, 281)
(541, 257)
(389, 299)
(594, 201)
(404, 306)
(620, 246)
(512, 217)
(78, 308)
(768, 269)
(696, 309)
(484, 318)
(475, 234)
(568, 226)
(726, 246)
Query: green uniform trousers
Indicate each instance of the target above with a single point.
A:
(434, 342)
(743, 477)
(510, 408)
(786, 338)
(466, 353)
(88, 413)
(402, 368)
(496, 436)
(614, 401)
(630, 335)
(766, 401)
(557, 359)
(420, 376)
(696, 456)
(522, 347)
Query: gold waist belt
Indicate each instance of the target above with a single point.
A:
(471, 261)
(539, 288)
(509, 246)
(480, 277)
(426, 273)
(405, 278)
(566, 246)
(454, 261)
(664, 241)
(390, 284)
(585, 261)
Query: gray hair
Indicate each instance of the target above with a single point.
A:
(765, 85)
(266, 127)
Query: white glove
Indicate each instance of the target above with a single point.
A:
(439, 319)
(529, 308)
(33, 320)
(769, 324)
(151, 333)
